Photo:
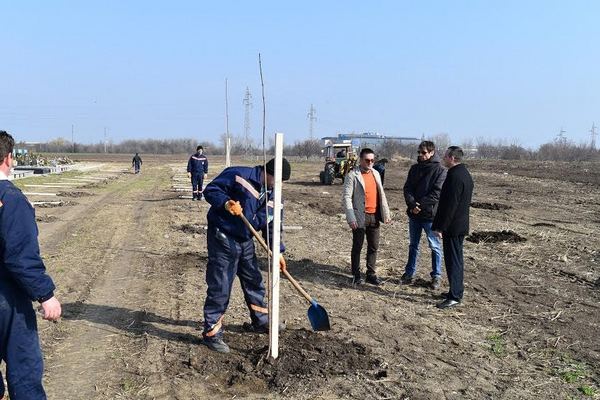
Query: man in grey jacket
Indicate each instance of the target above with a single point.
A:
(366, 206)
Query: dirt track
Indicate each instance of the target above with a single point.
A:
(129, 263)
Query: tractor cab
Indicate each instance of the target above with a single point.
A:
(340, 158)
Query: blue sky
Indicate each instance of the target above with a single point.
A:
(512, 70)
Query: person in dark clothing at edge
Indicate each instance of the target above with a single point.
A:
(422, 193)
(23, 279)
(197, 169)
(136, 163)
(231, 250)
(451, 223)
(379, 166)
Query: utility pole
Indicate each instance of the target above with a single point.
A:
(105, 141)
(247, 108)
(73, 136)
(561, 138)
(593, 134)
(312, 117)
(227, 139)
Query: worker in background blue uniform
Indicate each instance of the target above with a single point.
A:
(235, 191)
(136, 163)
(197, 170)
(23, 279)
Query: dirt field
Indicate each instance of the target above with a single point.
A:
(128, 256)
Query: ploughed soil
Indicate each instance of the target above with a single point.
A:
(129, 264)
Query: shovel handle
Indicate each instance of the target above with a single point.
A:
(285, 272)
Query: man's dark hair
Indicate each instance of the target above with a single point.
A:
(366, 151)
(7, 144)
(286, 169)
(456, 152)
(427, 145)
(199, 148)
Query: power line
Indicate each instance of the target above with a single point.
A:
(560, 137)
(247, 108)
(312, 117)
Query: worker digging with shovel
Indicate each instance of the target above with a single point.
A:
(235, 192)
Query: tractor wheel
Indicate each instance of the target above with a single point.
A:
(322, 177)
(329, 174)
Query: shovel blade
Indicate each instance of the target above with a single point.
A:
(319, 320)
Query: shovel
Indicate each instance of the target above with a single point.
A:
(319, 320)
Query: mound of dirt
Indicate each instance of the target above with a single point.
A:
(495, 237)
(45, 218)
(325, 208)
(53, 205)
(490, 206)
(191, 228)
(305, 364)
(74, 194)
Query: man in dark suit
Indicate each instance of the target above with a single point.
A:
(451, 223)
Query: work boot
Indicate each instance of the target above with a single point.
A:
(216, 344)
(448, 303)
(436, 282)
(248, 327)
(356, 280)
(194, 198)
(407, 279)
(374, 280)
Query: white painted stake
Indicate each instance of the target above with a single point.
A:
(276, 240)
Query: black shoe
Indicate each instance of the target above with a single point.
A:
(194, 199)
(356, 280)
(448, 303)
(216, 344)
(374, 280)
(436, 282)
(407, 279)
(261, 329)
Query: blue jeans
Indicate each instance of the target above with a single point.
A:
(415, 227)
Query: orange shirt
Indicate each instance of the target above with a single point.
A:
(370, 192)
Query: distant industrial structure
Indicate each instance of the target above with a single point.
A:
(367, 139)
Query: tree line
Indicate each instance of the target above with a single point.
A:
(559, 149)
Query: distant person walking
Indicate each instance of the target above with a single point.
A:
(422, 193)
(136, 163)
(23, 279)
(197, 169)
(451, 222)
(366, 206)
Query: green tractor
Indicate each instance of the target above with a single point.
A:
(340, 158)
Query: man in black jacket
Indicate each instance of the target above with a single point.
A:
(422, 193)
(451, 222)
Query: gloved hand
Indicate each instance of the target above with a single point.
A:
(233, 207)
(189, 174)
(282, 264)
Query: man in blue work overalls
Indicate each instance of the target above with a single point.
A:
(235, 191)
(23, 279)
(197, 170)
(136, 163)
